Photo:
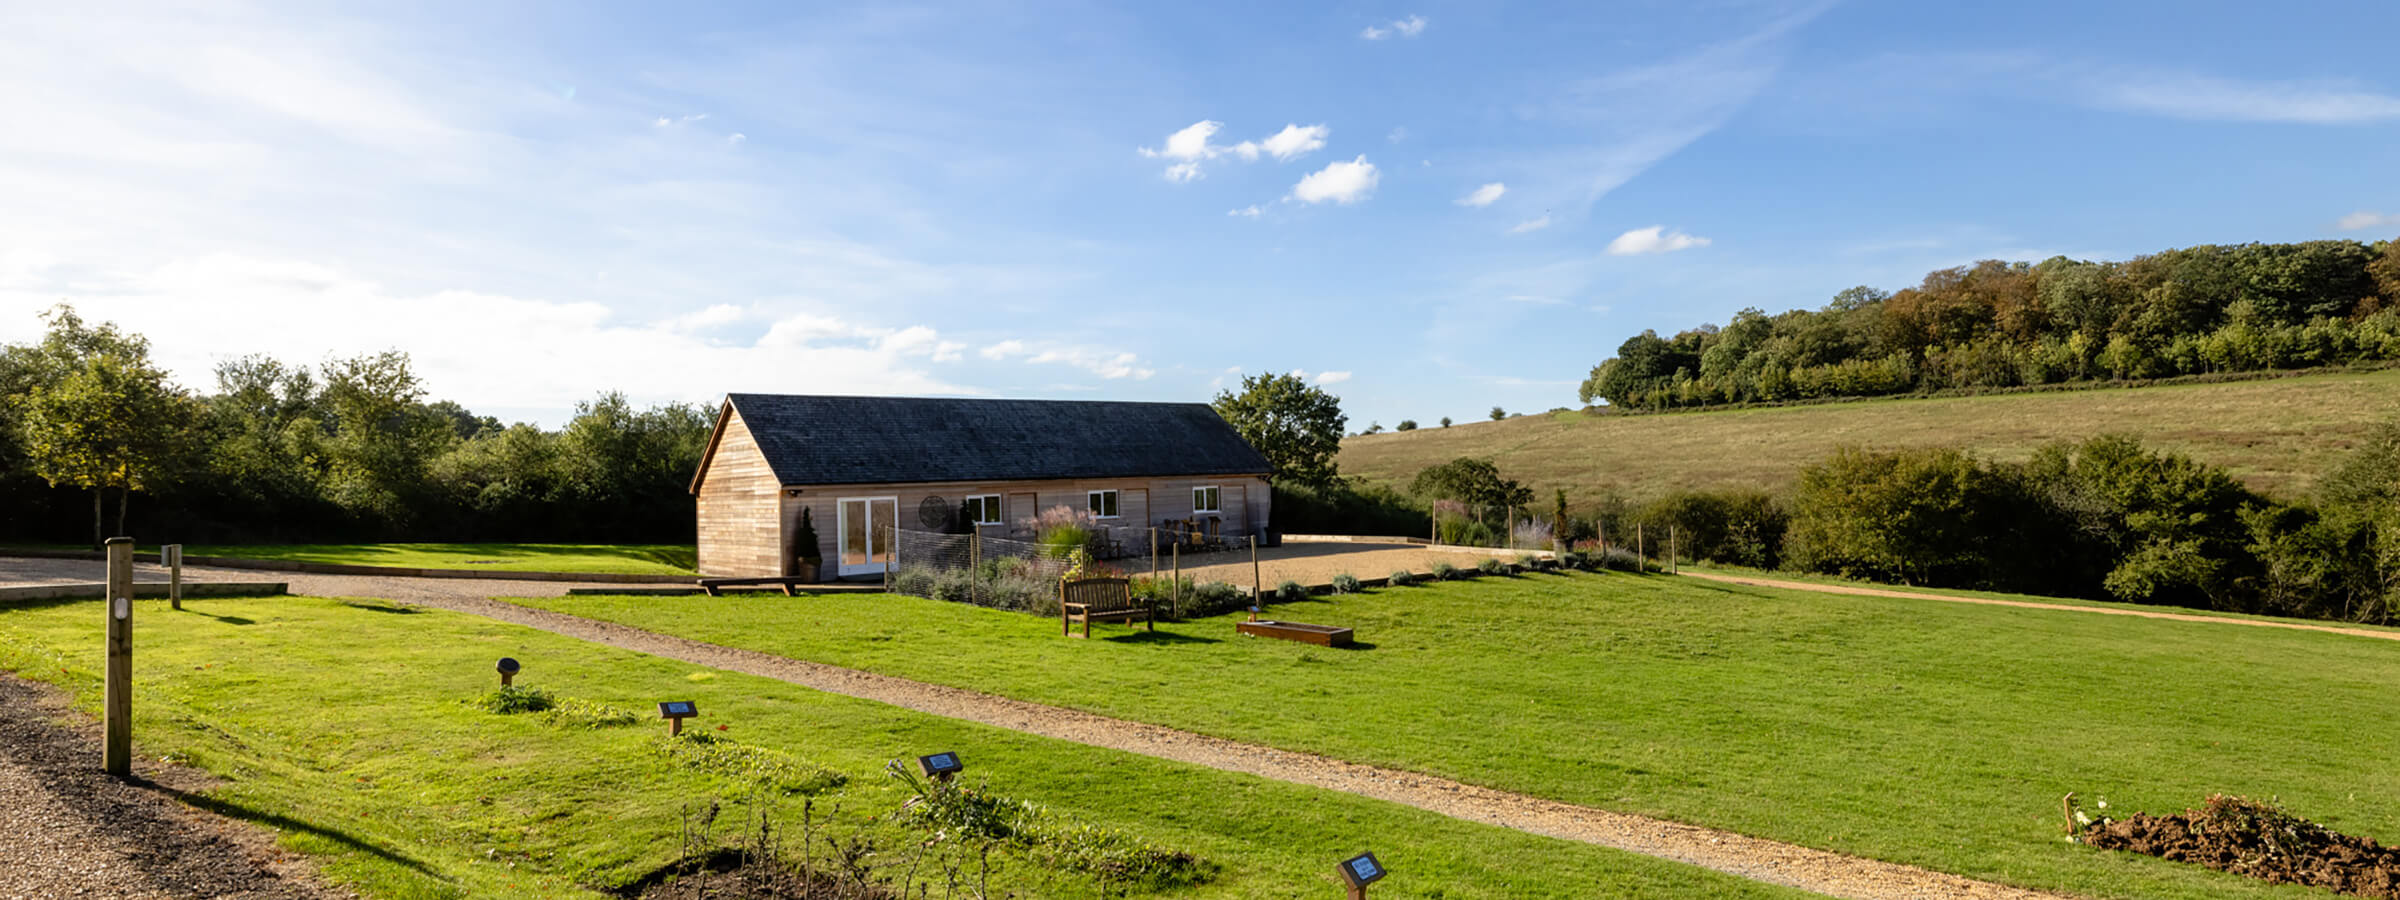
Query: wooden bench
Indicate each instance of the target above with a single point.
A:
(1109, 599)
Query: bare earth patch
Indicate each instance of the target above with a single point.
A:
(67, 830)
(1316, 562)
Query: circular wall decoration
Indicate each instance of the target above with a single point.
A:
(934, 513)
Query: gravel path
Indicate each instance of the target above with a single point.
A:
(1768, 861)
(66, 830)
(2063, 607)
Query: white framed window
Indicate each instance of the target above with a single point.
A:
(983, 509)
(1102, 504)
(1205, 499)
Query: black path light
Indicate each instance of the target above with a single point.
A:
(1360, 871)
(941, 766)
(508, 671)
(675, 711)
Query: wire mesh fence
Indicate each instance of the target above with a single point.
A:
(971, 568)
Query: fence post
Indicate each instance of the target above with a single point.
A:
(172, 555)
(1153, 554)
(1175, 605)
(1435, 539)
(1256, 591)
(1640, 557)
(116, 708)
(975, 563)
(1674, 559)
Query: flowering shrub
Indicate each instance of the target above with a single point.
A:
(1060, 530)
(1345, 583)
(1533, 534)
(1401, 578)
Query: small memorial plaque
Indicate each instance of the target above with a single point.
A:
(508, 666)
(1362, 870)
(677, 709)
(940, 765)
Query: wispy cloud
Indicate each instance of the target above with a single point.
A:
(1534, 224)
(1483, 196)
(1247, 212)
(1406, 28)
(1654, 239)
(1295, 141)
(1335, 377)
(2364, 219)
(2187, 95)
(1341, 182)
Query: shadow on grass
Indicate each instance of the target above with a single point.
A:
(224, 620)
(383, 608)
(1161, 637)
(279, 822)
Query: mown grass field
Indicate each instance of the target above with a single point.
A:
(1922, 732)
(619, 559)
(343, 725)
(2276, 434)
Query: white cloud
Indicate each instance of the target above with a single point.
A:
(1247, 212)
(2194, 96)
(1333, 377)
(1190, 147)
(2366, 219)
(671, 121)
(707, 319)
(1098, 362)
(1295, 141)
(1483, 196)
(1535, 224)
(1654, 239)
(1408, 28)
(1340, 182)
(1398, 134)
(736, 138)
(1003, 350)
(1189, 144)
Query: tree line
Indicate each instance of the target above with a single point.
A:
(2189, 311)
(351, 449)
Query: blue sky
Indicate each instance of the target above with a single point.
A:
(1431, 208)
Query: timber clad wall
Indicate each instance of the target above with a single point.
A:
(739, 531)
(774, 456)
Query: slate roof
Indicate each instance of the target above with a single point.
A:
(863, 440)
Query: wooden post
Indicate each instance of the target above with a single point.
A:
(1255, 588)
(1175, 606)
(1154, 554)
(1435, 539)
(116, 711)
(1673, 559)
(172, 555)
(1640, 557)
(975, 561)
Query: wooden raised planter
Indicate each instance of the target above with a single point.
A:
(1320, 635)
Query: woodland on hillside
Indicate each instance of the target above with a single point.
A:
(2189, 311)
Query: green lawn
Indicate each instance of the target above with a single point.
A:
(1930, 733)
(2276, 434)
(1814, 578)
(615, 559)
(343, 725)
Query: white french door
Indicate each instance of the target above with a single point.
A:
(867, 530)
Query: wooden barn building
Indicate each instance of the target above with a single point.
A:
(862, 466)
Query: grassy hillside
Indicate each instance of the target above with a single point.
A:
(2276, 434)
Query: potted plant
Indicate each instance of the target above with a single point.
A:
(806, 557)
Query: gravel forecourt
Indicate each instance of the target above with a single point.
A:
(1820, 871)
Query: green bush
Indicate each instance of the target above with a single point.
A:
(1443, 571)
(1212, 598)
(1622, 560)
(1401, 578)
(949, 810)
(703, 751)
(511, 700)
(575, 713)
(1491, 566)
(1291, 591)
(1345, 583)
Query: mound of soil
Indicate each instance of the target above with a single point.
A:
(2261, 841)
(729, 874)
